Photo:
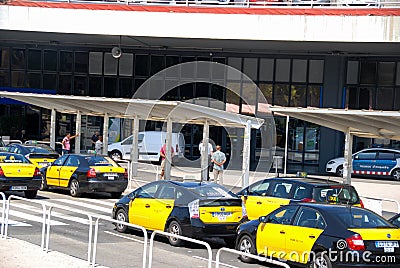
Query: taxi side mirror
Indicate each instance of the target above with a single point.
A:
(263, 219)
(245, 192)
(133, 196)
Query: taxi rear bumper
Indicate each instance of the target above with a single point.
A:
(103, 186)
(225, 230)
(13, 184)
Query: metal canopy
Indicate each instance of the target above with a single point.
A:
(178, 112)
(361, 123)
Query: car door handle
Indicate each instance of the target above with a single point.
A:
(282, 232)
(147, 206)
(311, 236)
(259, 203)
(168, 206)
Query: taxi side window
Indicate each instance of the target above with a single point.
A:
(148, 191)
(72, 162)
(259, 189)
(301, 192)
(167, 192)
(283, 215)
(60, 161)
(310, 218)
(282, 189)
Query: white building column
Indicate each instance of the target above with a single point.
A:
(204, 152)
(286, 145)
(135, 149)
(78, 130)
(348, 157)
(53, 129)
(168, 161)
(105, 134)
(246, 155)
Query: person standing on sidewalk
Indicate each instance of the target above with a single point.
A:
(66, 146)
(210, 151)
(99, 145)
(219, 159)
(163, 152)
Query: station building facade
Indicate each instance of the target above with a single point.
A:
(317, 77)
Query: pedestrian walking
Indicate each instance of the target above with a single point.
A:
(94, 139)
(66, 146)
(210, 151)
(219, 159)
(99, 145)
(163, 152)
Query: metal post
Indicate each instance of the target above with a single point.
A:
(168, 152)
(348, 157)
(246, 155)
(286, 145)
(105, 134)
(53, 129)
(135, 147)
(204, 152)
(78, 130)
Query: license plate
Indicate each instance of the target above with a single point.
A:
(111, 174)
(387, 244)
(221, 215)
(19, 188)
(44, 164)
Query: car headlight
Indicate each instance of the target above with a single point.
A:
(331, 162)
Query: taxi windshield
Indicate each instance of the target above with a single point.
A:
(98, 161)
(353, 217)
(13, 158)
(211, 191)
(38, 150)
(342, 194)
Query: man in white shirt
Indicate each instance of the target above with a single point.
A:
(210, 150)
(99, 145)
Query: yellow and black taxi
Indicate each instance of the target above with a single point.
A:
(84, 174)
(39, 154)
(268, 194)
(322, 235)
(192, 209)
(17, 173)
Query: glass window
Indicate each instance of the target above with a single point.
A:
(188, 70)
(398, 74)
(95, 86)
(365, 156)
(302, 192)
(202, 90)
(397, 99)
(384, 99)
(237, 64)
(260, 188)
(142, 65)
(219, 71)
(313, 96)
(368, 73)
(81, 62)
(281, 95)
(50, 60)
(80, 85)
(169, 62)
(18, 79)
(72, 161)
(282, 71)
(95, 62)
(4, 78)
(186, 91)
(50, 81)
(34, 80)
(126, 64)
(18, 59)
(34, 59)
(110, 64)
(232, 97)
(282, 189)
(4, 58)
(298, 96)
(203, 69)
(352, 72)
(147, 191)
(360, 218)
(386, 73)
(66, 61)
(266, 90)
(138, 84)
(283, 215)
(316, 71)
(299, 71)
(125, 88)
(157, 64)
(386, 156)
(249, 98)
(167, 192)
(217, 97)
(64, 85)
(266, 70)
(250, 67)
(110, 87)
(60, 161)
(310, 218)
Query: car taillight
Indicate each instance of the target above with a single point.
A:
(37, 173)
(91, 173)
(126, 174)
(308, 200)
(355, 242)
(361, 203)
(1, 172)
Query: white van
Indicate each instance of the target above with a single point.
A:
(149, 143)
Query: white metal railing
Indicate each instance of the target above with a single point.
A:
(380, 200)
(260, 258)
(96, 230)
(3, 213)
(90, 217)
(30, 201)
(179, 237)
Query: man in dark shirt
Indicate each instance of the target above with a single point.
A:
(95, 138)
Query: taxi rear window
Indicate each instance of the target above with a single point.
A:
(13, 158)
(360, 218)
(342, 194)
(211, 191)
(98, 161)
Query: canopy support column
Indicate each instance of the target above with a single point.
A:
(53, 129)
(246, 155)
(78, 130)
(348, 157)
(168, 151)
(204, 153)
(105, 134)
(135, 148)
(286, 145)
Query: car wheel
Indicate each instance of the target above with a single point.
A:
(116, 194)
(321, 260)
(116, 155)
(396, 175)
(74, 188)
(121, 216)
(246, 245)
(43, 185)
(30, 194)
(339, 171)
(175, 228)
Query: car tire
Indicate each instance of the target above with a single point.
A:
(121, 216)
(246, 245)
(30, 194)
(175, 228)
(43, 185)
(116, 155)
(339, 171)
(396, 174)
(320, 260)
(74, 188)
(116, 194)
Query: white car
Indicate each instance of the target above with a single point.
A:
(374, 162)
(149, 144)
